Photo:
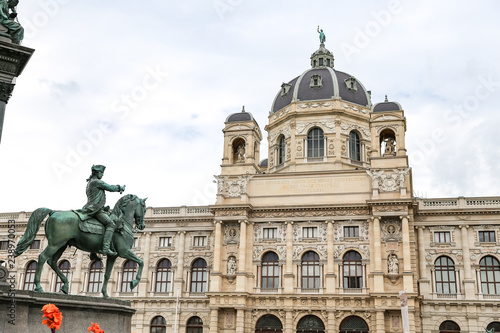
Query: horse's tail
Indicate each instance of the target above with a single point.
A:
(34, 223)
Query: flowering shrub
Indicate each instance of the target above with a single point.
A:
(53, 317)
(95, 328)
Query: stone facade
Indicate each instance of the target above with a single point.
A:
(321, 237)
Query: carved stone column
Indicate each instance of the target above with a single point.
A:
(330, 283)
(241, 277)
(216, 275)
(77, 283)
(240, 321)
(468, 279)
(13, 59)
(378, 274)
(179, 274)
(214, 321)
(288, 276)
(143, 284)
(288, 322)
(407, 272)
(380, 321)
(424, 281)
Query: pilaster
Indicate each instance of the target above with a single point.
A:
(241, 277)
(378, 274)
(407, 271)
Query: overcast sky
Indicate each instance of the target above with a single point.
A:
(144, 88)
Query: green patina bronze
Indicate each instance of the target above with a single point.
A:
(322, 37)
(7, 19)
(63, 229)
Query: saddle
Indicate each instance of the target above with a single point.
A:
(89, 224)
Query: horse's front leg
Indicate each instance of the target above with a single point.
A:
(131, 255)
(48, 252)
(110, 261)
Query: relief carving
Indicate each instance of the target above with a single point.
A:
(387, 181)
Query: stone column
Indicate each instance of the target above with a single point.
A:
(214, 321)
(331, 326)
(288, 276)
(330, 263)
(143, 284)
(14, 59)
(469, 290)
(77, 283)
(378, 274)
(407, 272)
(380, 321)
(240, 321)
(288, 322)
(179, 274)
(424, 281)
(241, 274)
(216, 275)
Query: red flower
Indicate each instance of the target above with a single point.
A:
(54, 317)
(95, 328)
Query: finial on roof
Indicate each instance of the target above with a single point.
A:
(386, 100)
(243, 109)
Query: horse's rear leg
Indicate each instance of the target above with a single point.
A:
(110, 261)
(131, 255)
(53, 263)
(48, 252)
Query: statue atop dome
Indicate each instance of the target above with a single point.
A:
(322, 36)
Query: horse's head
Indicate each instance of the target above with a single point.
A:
(140, 211)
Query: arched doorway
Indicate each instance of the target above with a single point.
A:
(311, 324)
(269, 324)
(353, 324)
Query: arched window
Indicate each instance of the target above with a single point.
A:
(129, 269)
(353, 270)
(310, 271)
(281, 149)
(353, 324)
(64, 267)
(95, 277)
(354, 146)
(310, 324)
(445, 276)
(199, 276)
(449, 327)
(270, 271)
(158, 325)
(490, 275)
(29, 278)
(315, 143)
(494, 325)
(164, 276)
(268, 324)
(194, 325)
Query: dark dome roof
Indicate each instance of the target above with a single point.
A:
(332, 84)
(387, 106)
(263, 163)
(239, 116)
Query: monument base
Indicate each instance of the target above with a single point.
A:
(24, 309)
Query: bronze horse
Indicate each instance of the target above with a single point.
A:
(62, 230)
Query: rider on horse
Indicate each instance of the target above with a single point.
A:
(96, 199)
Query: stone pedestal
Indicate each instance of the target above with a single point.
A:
(24, 307)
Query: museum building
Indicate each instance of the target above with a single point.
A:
(320, 237)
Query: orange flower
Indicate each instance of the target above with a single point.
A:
(95, 328)
(54, 317)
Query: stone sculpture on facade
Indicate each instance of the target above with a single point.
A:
(322, 37)
(68, 228)
(7, 15)
(231, 266)
(241, 153)
(393, 264)
(390, 146)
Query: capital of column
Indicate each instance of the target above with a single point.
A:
(420, 227)
(402, 217)
(329, 221)
(243, 221)
(463, 226)
(375, 218)
(181, 232)
(289, 222)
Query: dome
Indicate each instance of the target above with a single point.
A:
(240, 116)
(387, 106)
(322, 82)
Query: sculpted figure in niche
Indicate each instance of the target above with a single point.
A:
(393, 264)
(390, 146)
(241, 153)
(231, 266)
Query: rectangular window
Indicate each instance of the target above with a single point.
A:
(487, 237)
(351, 232)
(165, 241)
(442, 237)
(4, 245)
(269, 233)
(309, 232)
(35, 245)
(199, 241)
